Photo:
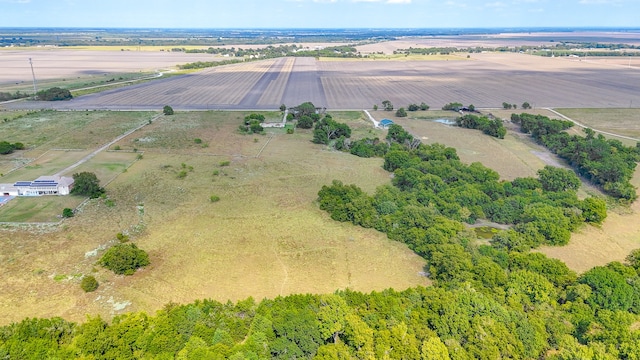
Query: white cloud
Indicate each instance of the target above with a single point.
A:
(16, 1)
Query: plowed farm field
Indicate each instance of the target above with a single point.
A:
(485, 80)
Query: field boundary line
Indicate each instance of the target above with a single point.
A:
(284, 268)
(264, 146)
(106, 146)
(587, 127)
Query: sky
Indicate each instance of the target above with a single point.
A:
(319, 13)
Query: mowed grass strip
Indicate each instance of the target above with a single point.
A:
(37, 209)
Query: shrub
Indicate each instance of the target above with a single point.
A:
(225, 163)
(197, 141)
(67, 213)
(124, 259)
(54, 94)
(401, 113)
(214, 198)
(89, 283)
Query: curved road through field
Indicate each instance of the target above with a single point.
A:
(596, 130)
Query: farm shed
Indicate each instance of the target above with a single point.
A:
(385, 123)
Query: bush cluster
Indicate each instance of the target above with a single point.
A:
(124, 259)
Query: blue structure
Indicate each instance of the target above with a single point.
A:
(385, 123)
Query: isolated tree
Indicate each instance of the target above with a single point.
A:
(526, 105)
(375, 107)
(471, 107)
(167, 110)
(387, 105)
(413, 107)
(424, 106)
(506, 106)
(86, 184)
(283, 107)
(124, 259)
(401, 112)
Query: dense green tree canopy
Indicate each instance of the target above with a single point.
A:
(86, 184)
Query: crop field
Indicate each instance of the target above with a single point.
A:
(265, 237)
(52, 64)
(485, 80)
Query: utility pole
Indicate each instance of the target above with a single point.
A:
(35, 88)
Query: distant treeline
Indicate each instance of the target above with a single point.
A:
(278, 51)
(6, 96)
(208, 64)
(557, 49)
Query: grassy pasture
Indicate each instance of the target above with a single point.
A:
(618, 121)
(48, 164)
(37, 209)
(265, 237)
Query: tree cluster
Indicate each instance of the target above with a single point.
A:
(491, 127)
(454, 106)
(6, 96)
(605, 162)
(328, 129)
(54, 94)
(8, 148)
(252, 124)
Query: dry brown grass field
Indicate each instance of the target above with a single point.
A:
(265, 237)
(618, 121)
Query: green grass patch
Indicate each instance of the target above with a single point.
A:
(37, 208)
